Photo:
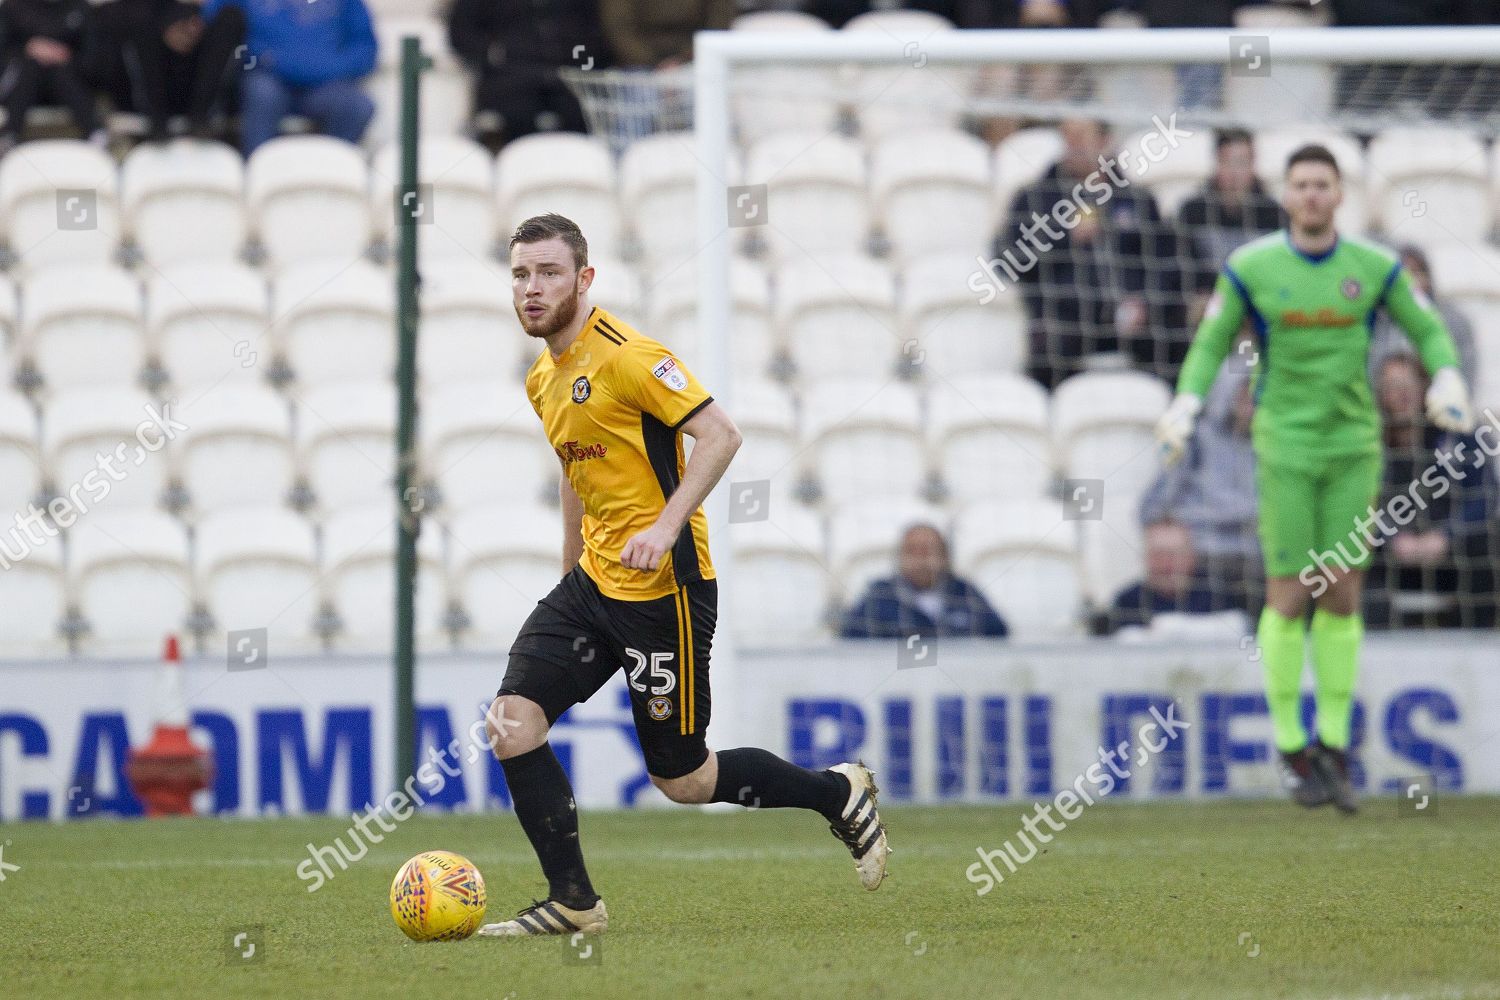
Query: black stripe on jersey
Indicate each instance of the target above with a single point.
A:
(608, 332)
(692, 413)
(661, 451)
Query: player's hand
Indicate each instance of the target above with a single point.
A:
(1176, 426)
(645, 550)
(1448, 402)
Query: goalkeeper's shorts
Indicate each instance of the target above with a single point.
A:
(1308, 515)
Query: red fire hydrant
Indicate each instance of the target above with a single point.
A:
(166, 772)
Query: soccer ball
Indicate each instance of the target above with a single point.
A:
(438, 896)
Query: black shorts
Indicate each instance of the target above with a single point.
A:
(576, 638)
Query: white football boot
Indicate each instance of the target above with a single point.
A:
(550, 917)
(859, 827)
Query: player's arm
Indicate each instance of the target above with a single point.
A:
(715, 440)
(1222, 319)
(1447, 397)
(572, 516)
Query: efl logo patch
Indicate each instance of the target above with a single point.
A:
(670, 375)
(660, 709)
(581, 388)
(1351, 288)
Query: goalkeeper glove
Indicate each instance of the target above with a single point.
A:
(1448, 402)
(1176, 426)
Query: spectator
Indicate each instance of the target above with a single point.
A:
(924, 598)
(1111, 283)
(514, 48)
(43, 43)
(1173, 583)
(1231, 210)
(658, 34)
(303, 59)
(161, 59)
(1212, 492)
(1389, 340)
(1437, 569)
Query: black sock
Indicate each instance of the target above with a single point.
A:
(543, 801)
(750, 776)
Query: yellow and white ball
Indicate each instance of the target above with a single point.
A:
(438, 896)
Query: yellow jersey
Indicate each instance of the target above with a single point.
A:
(613, 406)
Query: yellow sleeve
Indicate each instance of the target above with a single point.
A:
(649, 376)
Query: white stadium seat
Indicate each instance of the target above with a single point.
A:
(80, 424)
(20, 458)
(1112, 550)
(257, 567)
(618, 288)
(209, 323)
(1429, 184)
(82, 326)
(573, 175)
(502, 560)
(444, 104)
(863, 537)
(335, 321)
(184, 201)
(10, 310)
(1273, 146)
(129, 577)
(767, 420)
(774, 99)
(752, 338)
(483, 444)
(1021, 158)
(346, 443)
(1103, 425)
(816, 201)
(237, 449)
(931, 190)
(469, 326)
(990, 438)
(894, 99)
(359, 577)
(1468, 276)
(658, 190)
(308, 197)
(59, 203)
(952, 329)
(33, 592)
(1180, 172)
(1023, 554)
(781, 578)
(837, 317)
(460, 220)
(864, 440)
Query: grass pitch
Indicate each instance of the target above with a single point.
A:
(1232, 899)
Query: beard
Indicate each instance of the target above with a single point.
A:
(551, 322)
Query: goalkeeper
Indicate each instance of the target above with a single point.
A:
(1311, 296)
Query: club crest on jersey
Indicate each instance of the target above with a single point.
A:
(581, 388)
(660, 708)
(669, 374)
(1351, 288)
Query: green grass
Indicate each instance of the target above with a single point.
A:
(1233, 899)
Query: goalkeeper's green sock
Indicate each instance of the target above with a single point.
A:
(1335, 646)
(1282, 641)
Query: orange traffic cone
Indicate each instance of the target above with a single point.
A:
(166, 772)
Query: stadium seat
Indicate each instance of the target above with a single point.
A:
(658, 191)
(20, 458)
(59, 203)
(931, 190)
(10, 314)
(335, 321)
(469, 326)
(560, 172)
(1274, 145)
(308, 197)
(346, 443)
(1428, 184)
(82, 326)
(1023, 555)
(816, 200)
(184, 201)
(863, 536)
(257, 567)
(446, 88)
(1146, 88)
(1468, 275)
(359, 578)
(1102, 423)
(774, 99)
(1180, 173)
(33, 592)
(1299, 91)
(952, 330)
(1021, 158)
(752, 338)
(1112, 551)
(502, 560)
(837, 316)
(80, 424)
(893, 100)
(767, 420)
(208, 323)
(989, 437)
(129, 578)
(460, 220)
(617, 287)
(863, 440)
(237, 449)
(778, 593)
(483, 444)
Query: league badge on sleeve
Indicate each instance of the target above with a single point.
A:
(669, 373)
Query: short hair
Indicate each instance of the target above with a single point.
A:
(1313, 153)
(553, 226)
(1229, 136)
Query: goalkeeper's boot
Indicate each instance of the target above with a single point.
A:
(1333, 766)
(1301, 776)
(859, 827)
(550, 917)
